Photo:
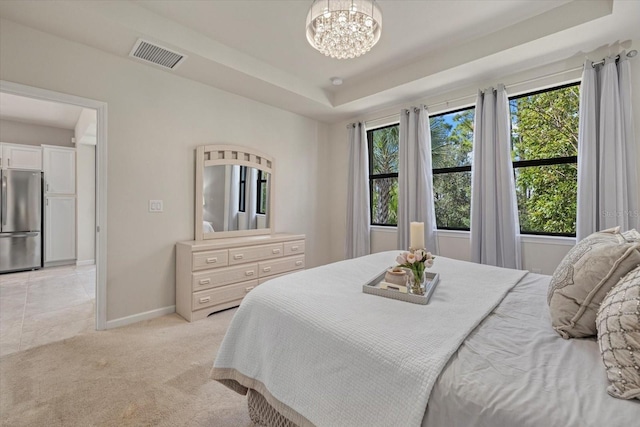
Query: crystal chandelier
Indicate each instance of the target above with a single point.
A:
(344, 28)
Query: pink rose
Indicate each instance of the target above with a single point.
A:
(428, 263)
(411, 258)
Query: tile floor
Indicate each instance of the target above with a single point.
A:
(42, 306)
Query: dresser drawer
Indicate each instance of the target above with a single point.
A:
(224, 276)
(210, 259)
(267, 278)
(254, 253)
(294, 248)
(270, 268)
(222, 295)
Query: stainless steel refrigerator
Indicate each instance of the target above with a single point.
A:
(20, 220)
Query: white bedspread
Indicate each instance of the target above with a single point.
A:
(515, 370)
(324, 353)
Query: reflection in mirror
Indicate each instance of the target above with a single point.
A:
(235, 198)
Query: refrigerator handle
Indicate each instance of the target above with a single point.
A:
(3, 214)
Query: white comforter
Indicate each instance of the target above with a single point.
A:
(324, 353)
(515, 370)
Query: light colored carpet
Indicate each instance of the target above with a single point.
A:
(153, 373)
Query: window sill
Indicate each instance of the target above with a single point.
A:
(462, 234)
(456, 234)
(548, 240)
(384, 228)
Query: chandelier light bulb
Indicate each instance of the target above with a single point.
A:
(344, 28)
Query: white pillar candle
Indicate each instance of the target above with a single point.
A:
(417, 235)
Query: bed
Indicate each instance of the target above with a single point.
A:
(312, 349)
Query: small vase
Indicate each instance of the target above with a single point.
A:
(416, 283)
(396, 276)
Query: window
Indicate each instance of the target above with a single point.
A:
(544, 137)
(242, 189)
(383, 174)
(451, 144)
(261, 203)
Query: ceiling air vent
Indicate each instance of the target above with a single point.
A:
(158, 55)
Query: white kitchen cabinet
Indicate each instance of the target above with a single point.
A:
(59, 166)
(18, 156)
(60, 229)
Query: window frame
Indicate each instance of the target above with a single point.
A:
(551, 161)
(439, 171)
(242, 189)
(261, 182)
(373, 177)
(457, 169)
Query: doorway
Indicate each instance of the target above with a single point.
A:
(88, 269)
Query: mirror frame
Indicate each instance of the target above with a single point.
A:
(212, 155)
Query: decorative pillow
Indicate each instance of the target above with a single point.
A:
(631, 235)
(583, 278)
(618, 325)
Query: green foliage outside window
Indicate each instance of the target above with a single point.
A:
(544, 143)
(384, 162)
(451, 145)
(545, 126)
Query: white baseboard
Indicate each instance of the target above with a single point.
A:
(59, 263)
(134, 318)
(86, 262)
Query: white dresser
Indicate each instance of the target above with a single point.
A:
(213, 275)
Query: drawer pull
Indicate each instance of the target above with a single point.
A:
(298, 262)
(249, 288)
(204, 300)
(212, 260)
(248, 273)
(266, 269)
(238, 256)
(205, 281)
(276, 251)
(294, 248)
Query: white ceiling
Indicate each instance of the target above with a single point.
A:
(258, 48)
(38, 112)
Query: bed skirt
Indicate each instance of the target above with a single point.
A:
(263, 414)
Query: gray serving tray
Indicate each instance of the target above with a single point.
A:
(373, 288)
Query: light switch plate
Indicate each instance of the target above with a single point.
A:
(155, 206)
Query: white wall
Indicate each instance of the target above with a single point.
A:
(86, 127)
(30, 134)
(155, 121)
(539, 253)
(86, 196)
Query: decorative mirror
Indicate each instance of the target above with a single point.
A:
(234, 192)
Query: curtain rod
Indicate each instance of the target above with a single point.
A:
(462, 98)
(629, 54)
